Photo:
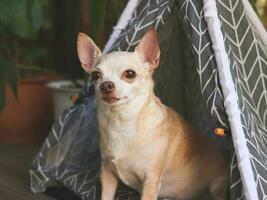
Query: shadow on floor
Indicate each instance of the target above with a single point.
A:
(15, 161)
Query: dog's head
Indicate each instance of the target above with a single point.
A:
(120, 77)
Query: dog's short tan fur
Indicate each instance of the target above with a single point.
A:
(143, 142)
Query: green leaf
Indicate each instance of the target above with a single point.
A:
(3, 31)
(33, 54)
(36, 15)
(13, 80)
(23, 18)
(2, 98)
(3, 74)
(8, 75)
(4, 70)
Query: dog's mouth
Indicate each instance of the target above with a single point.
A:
(110, 100)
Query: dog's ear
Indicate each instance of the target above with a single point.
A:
(148, 48)
(88, 52)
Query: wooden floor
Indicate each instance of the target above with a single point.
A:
(15, 161)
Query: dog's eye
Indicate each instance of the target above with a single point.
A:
(129, 74)
(95, 75)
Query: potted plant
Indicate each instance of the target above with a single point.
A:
(25, 102)
(65, 92)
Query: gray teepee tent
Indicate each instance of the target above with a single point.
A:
(213, 71)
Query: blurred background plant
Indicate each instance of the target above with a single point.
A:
(20, 23)
(37, 45)
(29, 29)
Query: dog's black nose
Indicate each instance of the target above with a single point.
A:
(107, 87)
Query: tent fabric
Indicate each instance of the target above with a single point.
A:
(122, 22)
(187, 80)
(231, 99)
(248, 64)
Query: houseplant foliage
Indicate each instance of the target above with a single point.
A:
(20, 21)
(101, 20)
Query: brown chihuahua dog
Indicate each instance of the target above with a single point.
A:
(143, 142)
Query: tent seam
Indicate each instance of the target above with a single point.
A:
(124, 19)
(230, 99)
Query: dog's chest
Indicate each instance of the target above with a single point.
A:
(118, 137)
(127, 168)
(116, 133)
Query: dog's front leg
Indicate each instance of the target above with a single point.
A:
(109, 183)
(218, 189)
(151, 186)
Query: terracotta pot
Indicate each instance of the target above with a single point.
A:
(29, 118)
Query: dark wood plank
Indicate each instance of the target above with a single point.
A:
(15, 161)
